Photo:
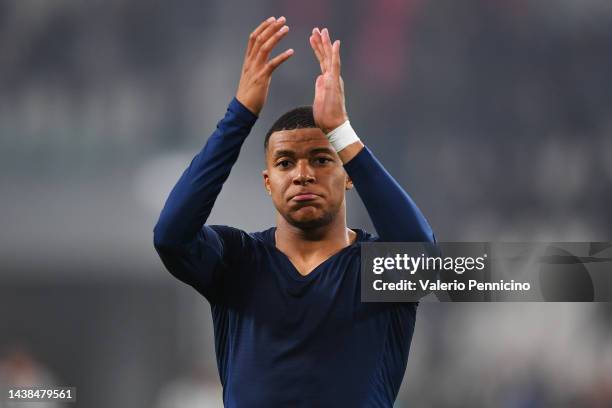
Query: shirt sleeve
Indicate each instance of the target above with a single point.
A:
(394, 214)
(193, 252)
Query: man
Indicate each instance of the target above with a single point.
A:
(290, 329)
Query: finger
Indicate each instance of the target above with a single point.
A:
(336, 58)
(319, 45)
(279, 59)
(327, 48)
(268, 46)
(256, 32)
(268, 32)
(317, 55)
(317, 52)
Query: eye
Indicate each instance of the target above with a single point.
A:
(283, 164)
(323, 160)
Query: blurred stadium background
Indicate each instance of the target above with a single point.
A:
(494, 114)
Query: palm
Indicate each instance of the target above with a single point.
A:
(257, 67)
(325, 98)
(328, 106)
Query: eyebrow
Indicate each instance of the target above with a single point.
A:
(291, 153)
(321, 150)
(281, 153)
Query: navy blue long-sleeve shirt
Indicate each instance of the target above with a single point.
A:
(283, 339)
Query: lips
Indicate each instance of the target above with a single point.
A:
(305, 196)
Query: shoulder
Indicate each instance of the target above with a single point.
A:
(265, 237)
(234, 236)
(364, 236)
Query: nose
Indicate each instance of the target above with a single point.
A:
(303, 173)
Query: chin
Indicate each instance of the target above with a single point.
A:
(311, 221)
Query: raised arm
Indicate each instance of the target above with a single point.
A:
(190, 250)
(393, 213)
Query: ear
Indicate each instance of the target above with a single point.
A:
(266, 181)
(349, 183)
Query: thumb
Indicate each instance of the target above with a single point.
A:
(319, 81)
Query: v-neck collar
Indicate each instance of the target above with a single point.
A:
(293, 271)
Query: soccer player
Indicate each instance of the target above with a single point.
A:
(290, 329)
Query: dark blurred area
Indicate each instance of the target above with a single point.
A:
(495, 115)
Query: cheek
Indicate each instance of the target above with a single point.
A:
(278, 185)
(340, 182)
(337, 186)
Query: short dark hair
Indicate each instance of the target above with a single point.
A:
(297, 118)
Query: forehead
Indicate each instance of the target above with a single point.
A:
(298, 140)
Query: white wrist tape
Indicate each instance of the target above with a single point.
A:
(342, 136)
